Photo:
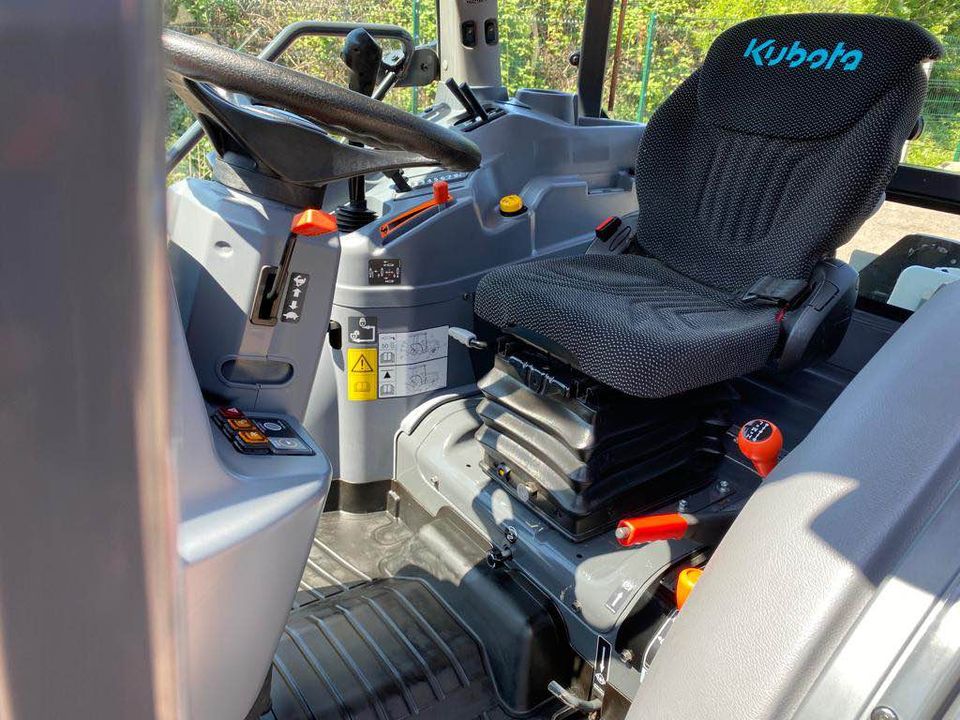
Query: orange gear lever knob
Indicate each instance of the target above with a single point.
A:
(761, 441)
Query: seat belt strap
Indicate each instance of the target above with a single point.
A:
(775, 291)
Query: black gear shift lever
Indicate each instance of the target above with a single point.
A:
(363, 56)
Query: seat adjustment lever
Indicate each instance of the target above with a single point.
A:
(467, 338)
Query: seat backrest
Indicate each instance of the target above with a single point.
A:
(774, 152)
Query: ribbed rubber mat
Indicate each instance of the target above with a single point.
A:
(384, 650)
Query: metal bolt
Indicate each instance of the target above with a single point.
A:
(525, 491)
(511, 534)
(435, 481)
(622, 533)
(723, 486)
(627, 656)
(682, 505)
(882, 712)
(577, 607)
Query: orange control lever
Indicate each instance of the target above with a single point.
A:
(649, 528)
(441, 198)
(761, 441)
(313, 222)
(686, 581)
(707, 528)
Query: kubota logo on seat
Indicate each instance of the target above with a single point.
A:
(767, 53)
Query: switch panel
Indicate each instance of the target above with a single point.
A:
(259, 435)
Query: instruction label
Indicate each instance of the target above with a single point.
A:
(619, 597)
(296, 295)
(362, 373)
(362, 329)
(383, 271)
(411, 363)
(402, 380)
(413, 347)
(601, 665)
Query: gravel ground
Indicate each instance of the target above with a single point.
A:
(893, 221)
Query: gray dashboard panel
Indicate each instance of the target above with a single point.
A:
(219, 241)
(570, 176)
(834, 522)
(245, 527)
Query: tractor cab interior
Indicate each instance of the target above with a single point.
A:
(467, 400)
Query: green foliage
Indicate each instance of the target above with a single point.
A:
(538, 36)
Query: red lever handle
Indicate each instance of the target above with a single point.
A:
(649, 528)
(707, 527)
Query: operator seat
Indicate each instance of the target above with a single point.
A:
(758, 167)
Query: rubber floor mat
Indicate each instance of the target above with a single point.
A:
(385, 650)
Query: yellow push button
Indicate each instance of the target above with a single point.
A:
(511, 205)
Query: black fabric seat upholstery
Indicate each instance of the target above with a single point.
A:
(653, 322)
(763, 162)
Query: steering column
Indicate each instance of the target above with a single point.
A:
(363, 56)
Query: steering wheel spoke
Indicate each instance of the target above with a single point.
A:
(303, 152)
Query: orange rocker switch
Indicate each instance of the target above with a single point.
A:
(253, 437)
(761, 441)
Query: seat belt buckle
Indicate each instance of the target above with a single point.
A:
(613, 233)
(775, 291)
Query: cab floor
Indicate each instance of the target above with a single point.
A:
(369, 635)
(361, 643)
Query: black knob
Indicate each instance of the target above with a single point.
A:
(362, 54)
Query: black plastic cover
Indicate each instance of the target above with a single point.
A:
(813, 331)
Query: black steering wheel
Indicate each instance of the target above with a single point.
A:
(383, 128)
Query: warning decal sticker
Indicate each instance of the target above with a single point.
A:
(361, 373)
(394, 364)
(412, 362)
(400, 380)
(296, 295)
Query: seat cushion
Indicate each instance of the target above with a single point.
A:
(631, 322)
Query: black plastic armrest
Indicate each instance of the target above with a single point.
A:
(813, 330)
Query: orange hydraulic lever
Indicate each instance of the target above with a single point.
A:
(313, 222)
(703, 527)
(441, 198)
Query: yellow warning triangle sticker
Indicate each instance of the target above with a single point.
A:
(362, 366)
